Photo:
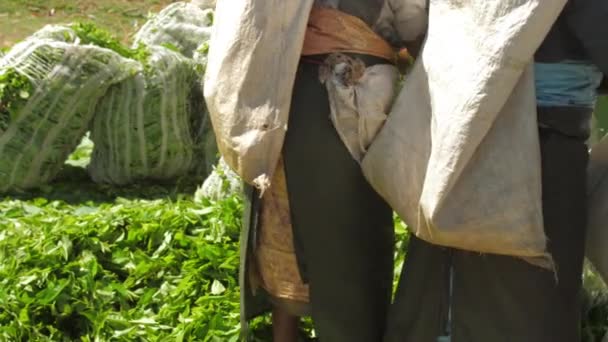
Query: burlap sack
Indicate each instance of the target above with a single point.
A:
(254, 54)
(458, 157)
(359, 99)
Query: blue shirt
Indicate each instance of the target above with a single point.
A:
(567, 84)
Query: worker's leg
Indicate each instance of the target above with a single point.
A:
(284, 326)
(498, 298)
(343, 230)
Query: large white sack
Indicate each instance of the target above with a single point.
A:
(249, 79)
(359, 99)
(458, 157)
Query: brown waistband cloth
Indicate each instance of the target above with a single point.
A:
(277, 266)
(330, 31)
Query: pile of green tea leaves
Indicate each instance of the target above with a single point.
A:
(85, 262)
(81, 261)
(127, 268)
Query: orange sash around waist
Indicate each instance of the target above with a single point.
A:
(332, 31)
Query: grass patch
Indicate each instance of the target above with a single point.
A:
(20, 18)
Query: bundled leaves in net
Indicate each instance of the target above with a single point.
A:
(203, 135)
(59, 33)
(86, 33)
(184, 26)
(221, 183)
(48, 91)
(143, 125)
(200, 57)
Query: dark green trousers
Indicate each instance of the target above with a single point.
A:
(490, 298)
(343, 231)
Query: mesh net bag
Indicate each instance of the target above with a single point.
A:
(58, 33)
(48, 93)
(184, 26)
(143, 125)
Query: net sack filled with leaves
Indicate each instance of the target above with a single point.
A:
(220, 184)
(206, 150)
(184, 26)
(143, 126)
(48, 92)
(60, 33)
(204, 136)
